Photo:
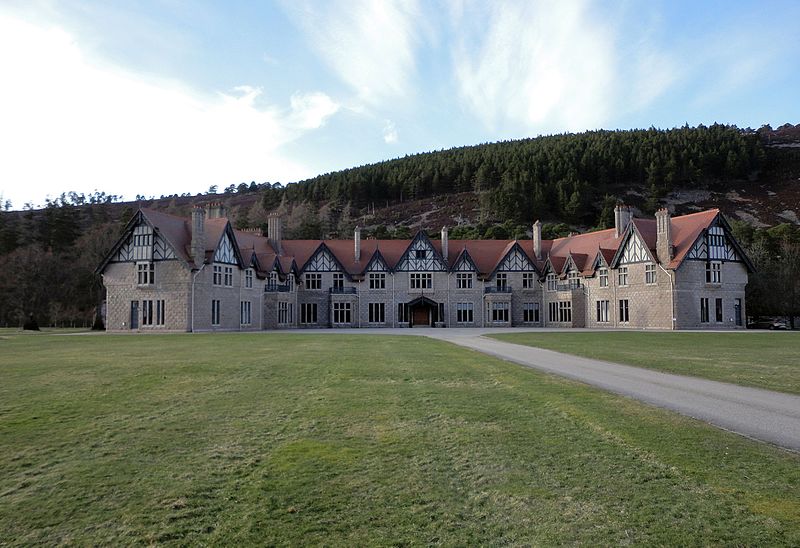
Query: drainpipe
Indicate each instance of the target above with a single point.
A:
(194, 277)
(671, 295)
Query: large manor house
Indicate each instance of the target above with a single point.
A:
(200, 274)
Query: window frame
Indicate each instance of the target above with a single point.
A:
(603, 277)
(377, 280)
(420, 280)
(464, 280)
(145, 273)
(312, 281)
(624, 311)
(622, 276)
(650, 274)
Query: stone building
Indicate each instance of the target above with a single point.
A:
(199, 274)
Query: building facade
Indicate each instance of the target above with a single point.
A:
(199, 274)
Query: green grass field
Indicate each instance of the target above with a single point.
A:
(357, 440)
(764, 360)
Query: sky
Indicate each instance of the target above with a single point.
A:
(161, 97)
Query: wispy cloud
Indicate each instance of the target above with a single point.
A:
(369, 44)
(390, 132)
(69, 117)
(537, 66)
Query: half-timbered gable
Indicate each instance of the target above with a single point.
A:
(515, 261)
(633, 249)
(377, 263)
(716, 244)
(464, 263)
(142, 242)
(323, 261)
(421, 256)
(226, 251)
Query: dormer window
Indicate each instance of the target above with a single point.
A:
(572, 279)
(248, 278)
(552, 282)
(603, 276)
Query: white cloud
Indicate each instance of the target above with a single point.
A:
(70, 122)
(311, 110)
(537, 66)
(390, 132)
(369, 44)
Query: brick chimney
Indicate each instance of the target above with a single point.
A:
(198, 245)
(445, 243)
(216, 210)
(275, 231)
(663, 236)
(357, 243)
(537, 239)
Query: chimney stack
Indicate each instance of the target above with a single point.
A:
(274, 231)
(216, 210)
(537, 239)
(622, 217)
(198, 244)
(663, 236)
(445, 243)
(357, 243)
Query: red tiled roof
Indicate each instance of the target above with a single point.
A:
(486, 254)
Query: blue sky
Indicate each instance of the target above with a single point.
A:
(171, 96)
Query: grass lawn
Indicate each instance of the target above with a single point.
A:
(357, 440)
(764, 360)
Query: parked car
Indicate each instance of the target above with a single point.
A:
(769, 324)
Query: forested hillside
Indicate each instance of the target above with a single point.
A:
(570, 181)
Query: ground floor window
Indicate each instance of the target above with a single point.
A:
(341, 313)
(552, 312)
(624, 316)
(704, 310)
(464, 313)
(215, 312)
(377, 313)
(245, 312)
(402, 313)
(308, 313)
(153, 312)
(565, 311)
(718, 310)
(530, 312)
(602, 311)
(498, 312)
(285, 313)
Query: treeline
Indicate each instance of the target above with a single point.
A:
(774, 289)
(49, 257)
(572, 177)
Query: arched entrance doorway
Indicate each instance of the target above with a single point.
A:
(424, 312)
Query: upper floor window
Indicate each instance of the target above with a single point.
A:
(145, 273)
(528, 280)
(501, 280)
(338, 280)
(377, 280)
(713, 272)
(603, 272)
(228, 276)
(464, 280)
(420, 280)
(650, 273)
(217, 275)
(552, 282)
(421, 253)
(623, 276)
(313, 281)
(572, 279)
(248, 278)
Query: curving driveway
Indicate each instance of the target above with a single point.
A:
(763, 415)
